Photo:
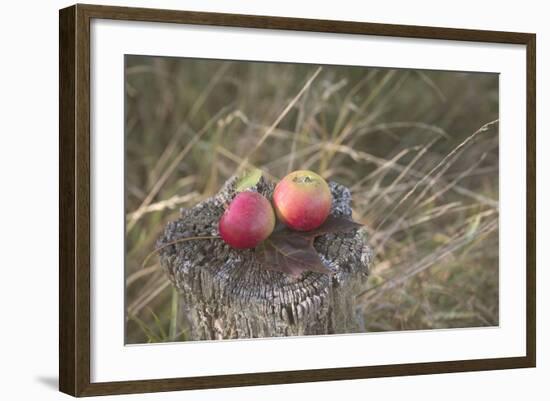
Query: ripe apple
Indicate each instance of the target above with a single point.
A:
(247, 221)
(302, 200)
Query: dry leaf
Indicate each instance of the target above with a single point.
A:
(292, 252)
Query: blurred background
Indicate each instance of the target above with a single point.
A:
(417, 148)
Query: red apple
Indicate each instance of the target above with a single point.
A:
(248, 220)
(302, 200)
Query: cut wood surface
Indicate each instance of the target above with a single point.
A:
(228, 293)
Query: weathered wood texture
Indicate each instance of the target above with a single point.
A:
(228, 294)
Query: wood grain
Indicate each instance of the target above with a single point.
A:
(67, 266)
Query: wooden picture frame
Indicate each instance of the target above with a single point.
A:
(74, 203)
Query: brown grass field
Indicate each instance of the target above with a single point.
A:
(418, 149)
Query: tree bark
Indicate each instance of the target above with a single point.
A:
(228, 294)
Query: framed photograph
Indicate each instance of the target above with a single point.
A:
(250, 200)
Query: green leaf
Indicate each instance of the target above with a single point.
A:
(249, 179)
(292, 252)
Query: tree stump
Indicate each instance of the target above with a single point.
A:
(227, 294)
